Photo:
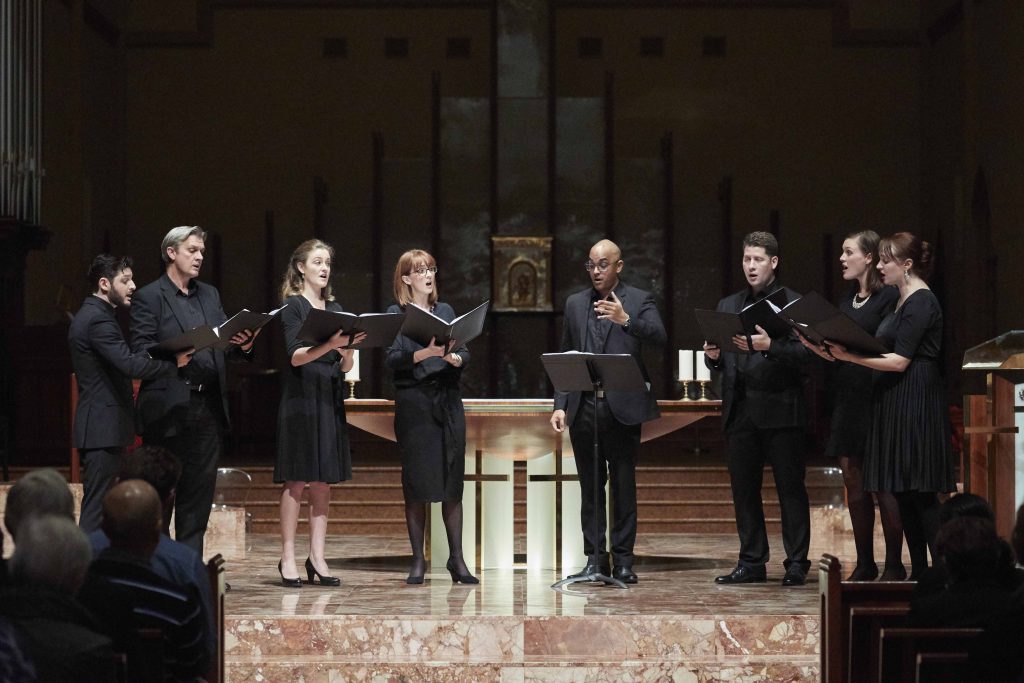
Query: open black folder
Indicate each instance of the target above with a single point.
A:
(219, 337)
(380, 328)
(241, 321)
(817, 320)
(719, 327)
(421, 325)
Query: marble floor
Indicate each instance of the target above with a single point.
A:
(675, 625)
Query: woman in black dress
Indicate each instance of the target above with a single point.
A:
(312, 439)
(849, 387)
(430, 424)
(908, 450)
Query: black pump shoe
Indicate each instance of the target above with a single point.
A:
(457, 577)
(416, 578)
(288, 583)
(324, 580)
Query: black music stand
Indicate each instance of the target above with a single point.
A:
(598, 373)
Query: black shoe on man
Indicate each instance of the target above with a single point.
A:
(795, 575)
(742, 574)
(624, 574)
(603, 568)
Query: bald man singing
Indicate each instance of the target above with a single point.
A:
(608, 317)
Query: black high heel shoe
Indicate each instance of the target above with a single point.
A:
(456, 576)
(288, 583)
(324, 580)
(414, 578)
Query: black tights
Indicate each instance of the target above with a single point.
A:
(416, 521)
(862, 516)
(920, 513)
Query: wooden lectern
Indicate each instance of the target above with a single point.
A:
(993, 375)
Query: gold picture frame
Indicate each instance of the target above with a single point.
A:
(521, 273)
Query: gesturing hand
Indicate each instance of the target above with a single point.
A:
(611, 310)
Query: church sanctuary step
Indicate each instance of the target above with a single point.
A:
(674, 626)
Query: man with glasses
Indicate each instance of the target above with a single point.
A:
(609, 317)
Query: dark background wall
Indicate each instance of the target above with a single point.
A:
(674, 126)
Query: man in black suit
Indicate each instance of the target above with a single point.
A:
(104, 368)
(764, 417)
(186, 414)
(610, 317)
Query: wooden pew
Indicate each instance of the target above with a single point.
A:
(851, 612)
(215, 573)
(904, 654)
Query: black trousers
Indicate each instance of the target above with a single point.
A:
(99, 469)
(749, 448)
(197, 445)
(619, 446)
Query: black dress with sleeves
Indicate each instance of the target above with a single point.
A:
(909, 447)
(312, 436)
(430, 423)
(849, 384)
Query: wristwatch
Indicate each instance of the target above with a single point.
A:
(625, 325)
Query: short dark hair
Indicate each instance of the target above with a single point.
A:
(106, 266)
(154, 465)
(763, 239)
(970, 548)
(965, 505)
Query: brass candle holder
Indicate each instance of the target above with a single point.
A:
(352, 387)
(703, 389)
(686, 389)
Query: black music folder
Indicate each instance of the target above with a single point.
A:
(197, 338)
(421, 325)
(719, 327)
(241, 321)
(816, 319)
(380, 328)
(578, 371)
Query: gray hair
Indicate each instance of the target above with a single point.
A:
(175, 236)
(51, 551)
(40, 492)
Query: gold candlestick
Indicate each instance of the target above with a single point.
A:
(703, 389)
(352, 388)
(686, 389)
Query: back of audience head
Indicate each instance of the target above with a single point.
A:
(51, 551)
(965, 505)
(1017, 536)
(156, 466)
(971, 548)
(132, 517)
(40, 492)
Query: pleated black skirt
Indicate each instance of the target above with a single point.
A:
(909, 447)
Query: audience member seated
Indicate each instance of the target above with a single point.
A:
(978, 594)
(54, 631)
(174, 561)
(40, 492)
(936, 578)
(1017, 537)
(126, 594)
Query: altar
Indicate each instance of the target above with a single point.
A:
(498, 433)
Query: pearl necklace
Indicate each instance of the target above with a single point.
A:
(858, 304)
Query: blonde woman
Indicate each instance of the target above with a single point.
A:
(312, 438)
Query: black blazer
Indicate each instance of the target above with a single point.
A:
(645, 326)
(770, 381)
(159, 314)
(104, 368)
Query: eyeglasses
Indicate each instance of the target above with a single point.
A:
(600, 267)
(423, 270)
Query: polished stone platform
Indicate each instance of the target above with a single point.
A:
(675, 625)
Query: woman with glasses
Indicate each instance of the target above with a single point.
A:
(312, 437)
(430, 424)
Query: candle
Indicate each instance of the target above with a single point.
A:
(685, 365)
(703, 371)
(353, 374)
